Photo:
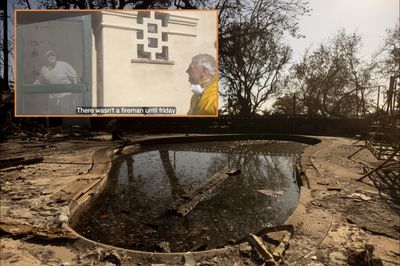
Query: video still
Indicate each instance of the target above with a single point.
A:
(116, 63)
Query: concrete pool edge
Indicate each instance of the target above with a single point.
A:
(102, 164)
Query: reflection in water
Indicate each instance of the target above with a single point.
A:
(132, 214)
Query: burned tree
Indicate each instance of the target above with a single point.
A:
(332, 80)
(252, 53)
(388, 57)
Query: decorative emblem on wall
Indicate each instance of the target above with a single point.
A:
(152, 36)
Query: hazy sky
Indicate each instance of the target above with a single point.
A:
(370, 18)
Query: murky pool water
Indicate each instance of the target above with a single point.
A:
(133, 211)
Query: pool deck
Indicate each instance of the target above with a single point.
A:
(335, 218)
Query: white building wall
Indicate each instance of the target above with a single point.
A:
(122, 81)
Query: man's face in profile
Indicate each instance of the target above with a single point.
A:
(195, 73)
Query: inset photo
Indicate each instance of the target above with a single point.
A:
(116, 63)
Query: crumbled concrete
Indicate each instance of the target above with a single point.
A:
(335, 219)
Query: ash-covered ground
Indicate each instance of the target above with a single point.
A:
(337, 221)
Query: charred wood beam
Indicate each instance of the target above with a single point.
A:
(262, 249)
(269, 229)
(12, 159)
(184, 205)
(380, 166)
(5, 163)
(283, 245)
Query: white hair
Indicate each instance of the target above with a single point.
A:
(207, 61)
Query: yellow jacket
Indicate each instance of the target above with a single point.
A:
(206, 103)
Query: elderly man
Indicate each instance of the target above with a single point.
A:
(58, 72)
(202, 77)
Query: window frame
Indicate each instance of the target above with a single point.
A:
(85, 88)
